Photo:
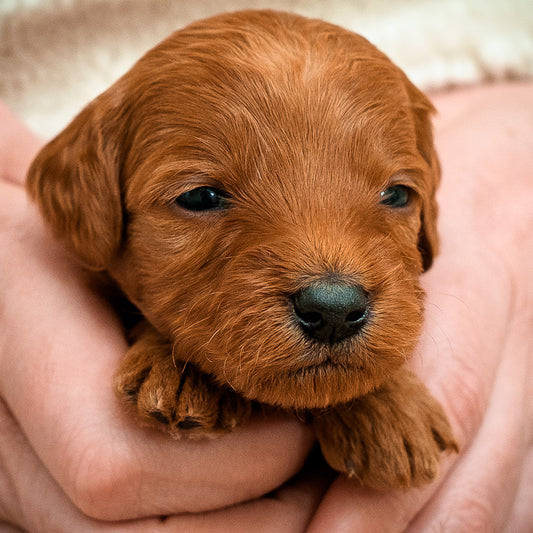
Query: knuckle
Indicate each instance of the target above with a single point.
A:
(467, 395)
(471, 515)
(101, 485)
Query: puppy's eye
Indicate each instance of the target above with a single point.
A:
(203, 199)
(396, 196)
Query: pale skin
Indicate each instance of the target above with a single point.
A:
(72, 460)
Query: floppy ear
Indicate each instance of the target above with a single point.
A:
(75, 182)
(428, 240)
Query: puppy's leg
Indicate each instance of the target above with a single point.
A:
(390, 438)
(174, 395)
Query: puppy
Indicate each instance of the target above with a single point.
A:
(261, 186)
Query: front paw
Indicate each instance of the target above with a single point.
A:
(174, 396)
(391, 438)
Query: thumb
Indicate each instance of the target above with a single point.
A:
(348, 507)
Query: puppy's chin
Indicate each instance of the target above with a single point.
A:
(313, 387)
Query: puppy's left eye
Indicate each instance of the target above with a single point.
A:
(203, 199)
(396, 196)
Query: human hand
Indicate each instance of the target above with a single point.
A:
(476, 353)
(70, 459)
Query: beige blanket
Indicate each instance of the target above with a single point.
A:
(56, 55)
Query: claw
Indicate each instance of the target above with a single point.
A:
(160, 417)
(189, 423)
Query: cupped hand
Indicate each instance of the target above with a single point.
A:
(70, 458)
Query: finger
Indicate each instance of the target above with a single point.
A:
(18, 146)
(57, 380)
(288, 509)
(34, 501)
(521, 516)
(9, 528)
(480, 493)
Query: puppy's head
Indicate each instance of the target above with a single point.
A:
(262, 187)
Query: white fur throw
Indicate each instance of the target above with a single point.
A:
(56, 55)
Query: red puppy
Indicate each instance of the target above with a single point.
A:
(262, 187)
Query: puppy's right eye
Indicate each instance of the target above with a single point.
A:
(395, 196)
(203, 199)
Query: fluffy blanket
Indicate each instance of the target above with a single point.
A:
(56, 55)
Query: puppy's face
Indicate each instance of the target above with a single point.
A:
(262, 187)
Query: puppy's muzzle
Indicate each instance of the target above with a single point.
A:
(330, 311)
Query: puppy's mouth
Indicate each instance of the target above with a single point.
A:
(321, 359)
(325, 367)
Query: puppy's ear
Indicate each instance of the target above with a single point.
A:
(422, 109)
(75, 182)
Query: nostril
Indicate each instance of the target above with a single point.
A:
(356, 316)
(310, 319)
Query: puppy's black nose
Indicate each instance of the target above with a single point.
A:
(330, 311)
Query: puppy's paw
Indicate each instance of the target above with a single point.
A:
(392, 438)
(177, 398)
(186, 402)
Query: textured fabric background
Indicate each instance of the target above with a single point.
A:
(56, 55)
